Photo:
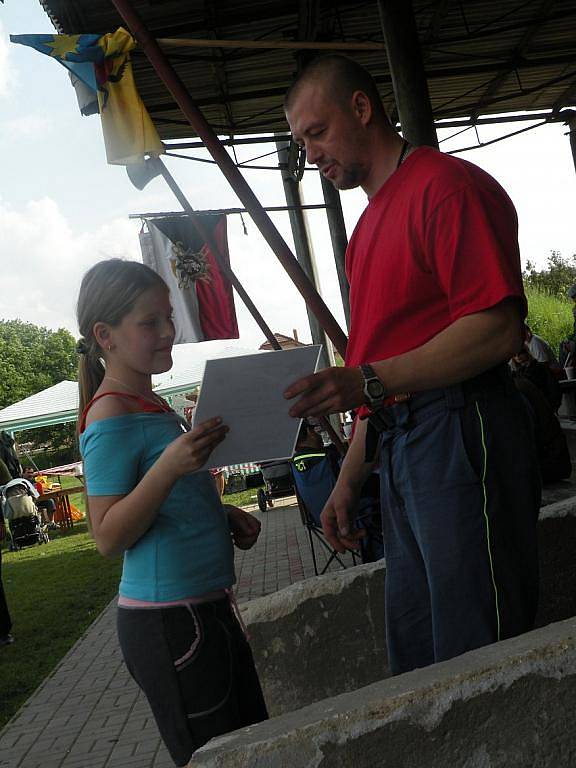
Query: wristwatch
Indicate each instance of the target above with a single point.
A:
(374, 391)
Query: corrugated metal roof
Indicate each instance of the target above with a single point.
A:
(485, 56)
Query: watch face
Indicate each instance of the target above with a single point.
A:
(375, 389)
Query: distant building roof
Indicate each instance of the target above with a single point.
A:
(286, 342)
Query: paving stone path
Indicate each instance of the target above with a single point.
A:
(89, 713)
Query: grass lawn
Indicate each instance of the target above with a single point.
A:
(54, 592)
(242, 498)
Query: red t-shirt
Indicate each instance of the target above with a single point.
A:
(438, 241)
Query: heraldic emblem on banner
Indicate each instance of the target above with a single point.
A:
(189, 265)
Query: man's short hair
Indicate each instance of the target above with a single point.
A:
(347, 76)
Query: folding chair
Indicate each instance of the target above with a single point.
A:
(314, 479)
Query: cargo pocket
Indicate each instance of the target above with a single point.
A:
(201, 654)
(471, 440)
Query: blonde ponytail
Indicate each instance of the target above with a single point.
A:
(90, 375)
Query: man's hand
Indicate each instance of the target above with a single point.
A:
(332, 390)
(337, 520)
(244, 527)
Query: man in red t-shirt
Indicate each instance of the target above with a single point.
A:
(436, 311)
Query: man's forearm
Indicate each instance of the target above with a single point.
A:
(469, 346)
(355, 470)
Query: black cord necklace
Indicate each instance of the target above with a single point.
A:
(403, 153)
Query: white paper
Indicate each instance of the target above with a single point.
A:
(247, 393)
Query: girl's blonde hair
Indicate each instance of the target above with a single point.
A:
(108, 292)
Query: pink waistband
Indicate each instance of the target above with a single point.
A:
(129, 602)
(209, 597)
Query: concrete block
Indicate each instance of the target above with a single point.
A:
(319, 637)
(326, 635)
(556, 546)
(508, 705)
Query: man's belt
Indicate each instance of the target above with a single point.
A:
(401, 397)
(497, 378)
(377, 423)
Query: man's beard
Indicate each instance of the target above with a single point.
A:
(348, 178)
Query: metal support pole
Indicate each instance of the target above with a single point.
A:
(572, 127)
(301, 243)
(339, 241)
(206, 236)
(178, 90)
(407, 71)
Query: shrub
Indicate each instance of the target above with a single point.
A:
(549, 316)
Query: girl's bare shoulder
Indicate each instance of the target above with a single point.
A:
(109, 406)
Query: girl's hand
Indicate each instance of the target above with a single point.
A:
(189, 452)
(244, 527)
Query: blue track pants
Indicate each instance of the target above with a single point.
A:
(460, 500)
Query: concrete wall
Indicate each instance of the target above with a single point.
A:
(319, 637)
(557, 554)
(326, 636)
(508, 705)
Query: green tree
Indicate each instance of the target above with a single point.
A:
(556, 278)
(32, 359)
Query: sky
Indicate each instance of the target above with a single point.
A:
(62, 208)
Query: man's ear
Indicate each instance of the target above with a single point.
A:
(362, 107)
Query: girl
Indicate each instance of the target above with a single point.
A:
(148, 500)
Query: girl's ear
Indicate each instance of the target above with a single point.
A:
(101, 333)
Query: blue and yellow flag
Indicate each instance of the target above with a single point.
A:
(103, 64)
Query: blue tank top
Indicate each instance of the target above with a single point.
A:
(188, 550)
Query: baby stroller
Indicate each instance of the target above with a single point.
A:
(277, 476)
(22, 515)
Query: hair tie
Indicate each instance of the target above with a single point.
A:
(82, 347)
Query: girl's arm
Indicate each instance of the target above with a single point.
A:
(244, 527)
(119, 521)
